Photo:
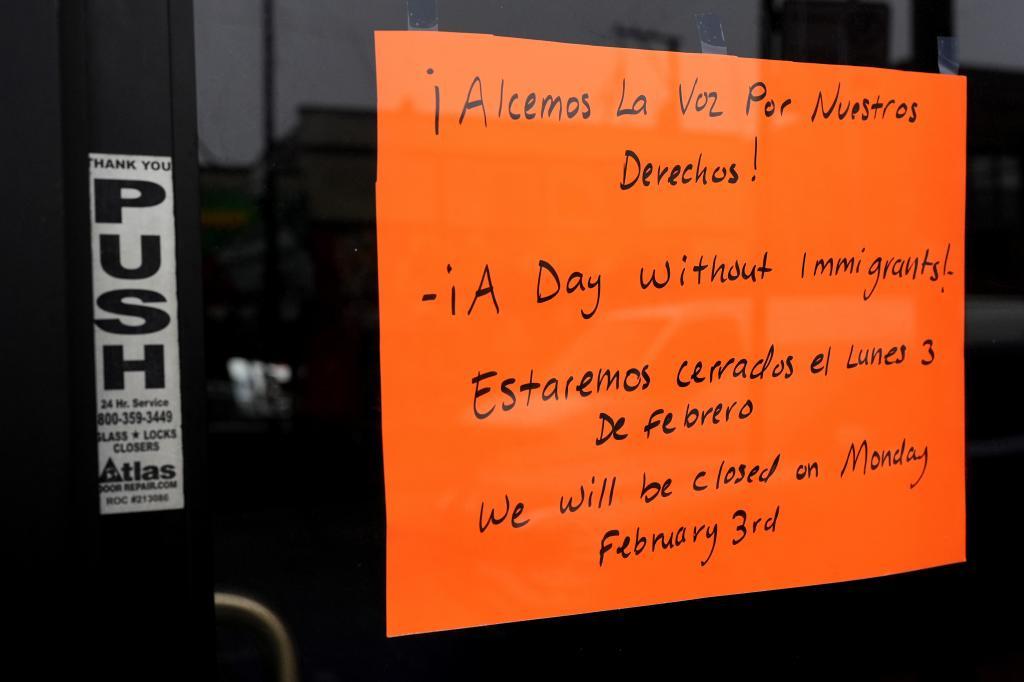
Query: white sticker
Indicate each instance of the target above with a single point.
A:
(135, 310)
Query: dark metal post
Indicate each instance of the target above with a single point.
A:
(932, 18)
(271, 278)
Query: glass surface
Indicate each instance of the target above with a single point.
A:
(287, 134)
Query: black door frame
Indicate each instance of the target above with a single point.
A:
(128, 594)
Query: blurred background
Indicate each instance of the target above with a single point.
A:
(287, 130)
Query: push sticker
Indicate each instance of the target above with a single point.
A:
(135, 327)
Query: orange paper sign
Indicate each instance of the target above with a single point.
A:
(660, 326)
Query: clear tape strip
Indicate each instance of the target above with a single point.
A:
(948, 54)
(711, 34)
(421, 15)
